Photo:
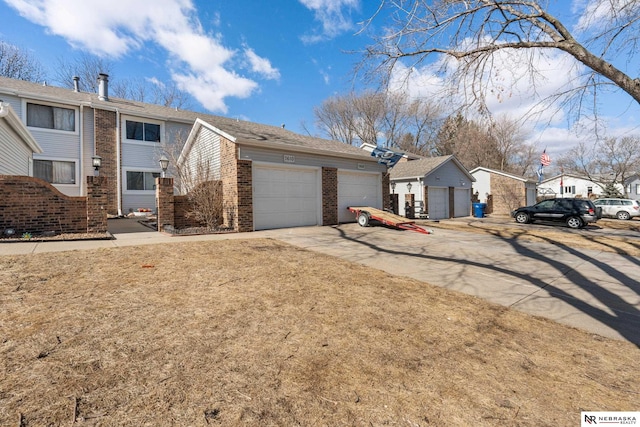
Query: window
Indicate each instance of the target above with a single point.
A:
(143, 131)
(142, 180)
(55, 172)
(48, 117)
(637, 188)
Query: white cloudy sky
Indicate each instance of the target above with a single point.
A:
(270, 62)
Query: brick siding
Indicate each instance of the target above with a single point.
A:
(106, 140)
(31, 205)
(329, 196)
(508, 194)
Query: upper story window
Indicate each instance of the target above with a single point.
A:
(49, 117)
(143, 131)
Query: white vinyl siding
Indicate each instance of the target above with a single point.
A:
(15, 154)
(205, 153)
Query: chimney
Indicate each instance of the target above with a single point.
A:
(103, 87)
(76, 84)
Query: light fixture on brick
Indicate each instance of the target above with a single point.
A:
(164, 164)
(97, 164)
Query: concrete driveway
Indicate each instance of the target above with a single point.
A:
(592, 290)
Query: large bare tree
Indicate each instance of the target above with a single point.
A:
(389, 119)
(17, 63)
(603, 37)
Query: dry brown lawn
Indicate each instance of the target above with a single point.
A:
(260, 333)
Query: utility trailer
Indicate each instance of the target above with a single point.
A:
(364, 214)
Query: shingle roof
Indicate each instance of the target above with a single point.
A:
(417, 168)
(244, 131)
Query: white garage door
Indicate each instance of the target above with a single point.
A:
(285, 197)
(461, 202)
(438, 202)
(357, 189)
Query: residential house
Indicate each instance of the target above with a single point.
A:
(296, 180)
(502, 191)
(632, 187)
(433, 187)
(130, 137)
(17, 146)
(569, 186)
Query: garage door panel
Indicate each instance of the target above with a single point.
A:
(357, 189)
(284, 197)
(438, 202)
(462, 202)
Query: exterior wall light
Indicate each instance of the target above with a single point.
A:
(409, 187)
(96, 161)
(164, 164)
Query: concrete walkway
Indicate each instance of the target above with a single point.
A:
(592, 290)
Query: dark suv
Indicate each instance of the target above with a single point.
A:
(576, 213)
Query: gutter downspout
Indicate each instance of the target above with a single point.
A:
(118, 165)
(81, 135)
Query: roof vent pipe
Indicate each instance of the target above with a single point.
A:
(103, 87)
(76, 84)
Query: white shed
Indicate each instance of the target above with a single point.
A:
(16, 144)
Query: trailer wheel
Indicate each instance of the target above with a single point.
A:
(363, 219)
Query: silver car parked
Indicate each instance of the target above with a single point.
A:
(619, 208)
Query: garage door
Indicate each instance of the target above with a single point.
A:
(438, 202)
(357, 189)
(285, 197)
(461, 202)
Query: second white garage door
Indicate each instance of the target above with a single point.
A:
(357, 189)
(438, 202)
(285, 197)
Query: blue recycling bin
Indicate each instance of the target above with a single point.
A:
(479, 209)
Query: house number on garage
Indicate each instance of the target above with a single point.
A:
(288, 158)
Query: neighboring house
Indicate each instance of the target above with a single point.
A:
(17, 146)
(632, 187)
(296, 180)
(439, 187)
(130, 137)
(502, 191)
(571, 186)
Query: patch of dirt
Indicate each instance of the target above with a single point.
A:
(257, 332)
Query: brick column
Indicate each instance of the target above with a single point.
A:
(386, 200)
(329, 196)
(164, 203)
(245, 195)
(97, 204)
(106, 140)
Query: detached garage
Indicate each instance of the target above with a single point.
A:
(432, 187)
(274, 178)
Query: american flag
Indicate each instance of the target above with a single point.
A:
(545, 160)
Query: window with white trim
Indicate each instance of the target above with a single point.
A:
(50, 117)
(142, 131)
(141, 181)
(54, 171)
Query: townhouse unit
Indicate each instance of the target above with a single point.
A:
(72, 127)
